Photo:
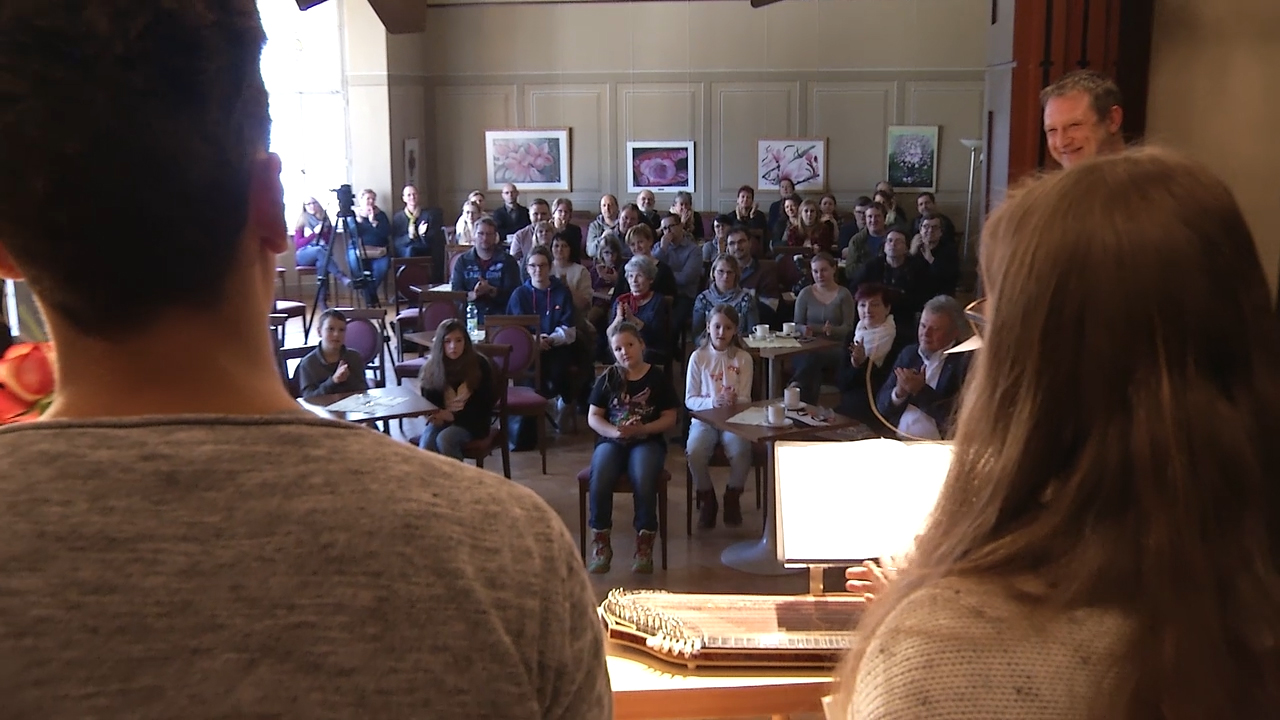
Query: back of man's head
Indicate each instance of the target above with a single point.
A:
(128, 133)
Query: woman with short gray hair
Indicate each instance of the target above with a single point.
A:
(645, 309)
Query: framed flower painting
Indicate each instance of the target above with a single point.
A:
(913, 157)
(660, 166)
(531, 159)
(803, 161)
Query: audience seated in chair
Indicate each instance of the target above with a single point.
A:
(941, 254)
(682, 207)
(867, 243)
(459, 381)
(895, 216)
(760, 276)
(410, 227)
(746, 213)
(549, 299)
(644, 309)
(789, 218)
(718, 243)
(811, 233)
(605, 222)
(829, 211)
(825, 309)
(312, 238)
(719, 375)
(512, 216)
(680, 253)
(648, 206)
(575, 277)
(871, 350)
(486, 273)
(632, 405)
(464, 231)
(856, 225)
(628, 217)
(561, 214)
(332, 367)
(926, 203)
(605, 271)
(787, 189)
(907, 274)
(372, 254)
(539, 211)
(724, 289)
(919, 399)
(640, 240)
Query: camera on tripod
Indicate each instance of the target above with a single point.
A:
(346, 201)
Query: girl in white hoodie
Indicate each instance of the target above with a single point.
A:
(719, 375)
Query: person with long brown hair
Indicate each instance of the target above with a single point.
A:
(1105, 544)
(812, 231)
(458, 380)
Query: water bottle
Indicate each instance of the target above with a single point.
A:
(473, 319)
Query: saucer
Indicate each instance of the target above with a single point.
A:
(786, 422)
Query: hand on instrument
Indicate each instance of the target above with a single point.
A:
(869, 579)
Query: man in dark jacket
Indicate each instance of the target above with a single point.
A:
(919, 399)
(486, 273)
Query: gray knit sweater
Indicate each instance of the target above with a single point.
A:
(284, 566)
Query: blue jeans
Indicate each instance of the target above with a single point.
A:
(379, 268)
(642, 462)
(702, 444)
(313, 255)
(445, 439)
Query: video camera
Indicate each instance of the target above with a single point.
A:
(346, 201)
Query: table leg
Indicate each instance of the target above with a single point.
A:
(760, 557)
(775, 378)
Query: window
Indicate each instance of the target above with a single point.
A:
(302, 66)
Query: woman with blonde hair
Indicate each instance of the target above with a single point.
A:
(1106, 541)
(464, 232)
(811, 232)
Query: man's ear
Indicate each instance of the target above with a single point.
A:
(266, 204)
(1115, 118)
(8, 268)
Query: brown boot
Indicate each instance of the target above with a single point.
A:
(643, 562)
(601, 552)
(732, 510)
(708, 506)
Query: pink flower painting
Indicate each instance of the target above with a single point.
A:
(526, 160)
(803, 162)
(660, 167)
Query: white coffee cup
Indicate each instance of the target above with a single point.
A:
(791, 396)
(776, 414)
(788, 328)
(762, 331)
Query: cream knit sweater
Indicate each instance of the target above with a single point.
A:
(966, 649)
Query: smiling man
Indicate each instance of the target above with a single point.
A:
(1082, 117)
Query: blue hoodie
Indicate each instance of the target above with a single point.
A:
(553, 306)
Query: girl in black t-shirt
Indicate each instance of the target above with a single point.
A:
(632, 404)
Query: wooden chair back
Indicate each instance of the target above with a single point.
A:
(518, 331)
(409, 273)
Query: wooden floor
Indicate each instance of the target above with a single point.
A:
(693, 561)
